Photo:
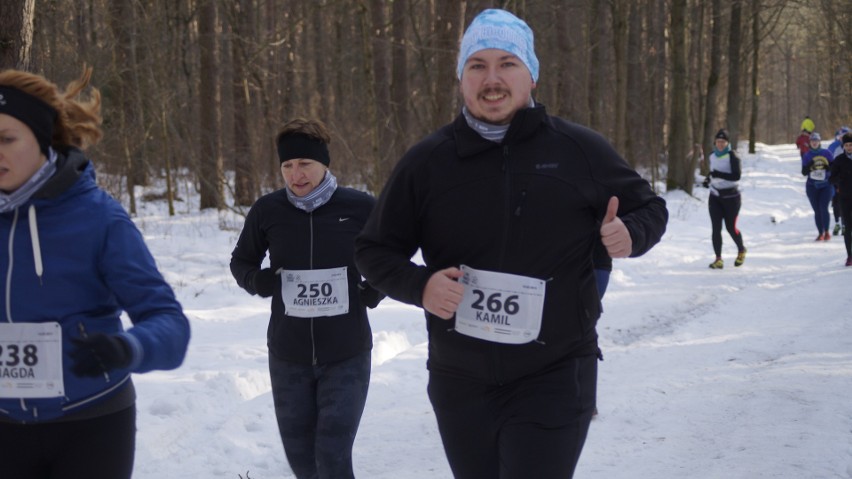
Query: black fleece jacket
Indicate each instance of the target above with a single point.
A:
(297, 240)
(530, 205)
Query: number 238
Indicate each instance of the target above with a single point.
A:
(11, 356)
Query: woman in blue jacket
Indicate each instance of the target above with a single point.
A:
(72, 262)
(815, 165)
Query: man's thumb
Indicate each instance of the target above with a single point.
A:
(611, 210)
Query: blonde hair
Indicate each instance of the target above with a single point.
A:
(303, 126)
(78, 121)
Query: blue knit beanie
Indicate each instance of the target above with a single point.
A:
(494, 28)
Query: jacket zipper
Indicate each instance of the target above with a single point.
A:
(504, 245)
(311, 265)
(508, 202)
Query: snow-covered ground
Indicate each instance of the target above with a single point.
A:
(739, 373)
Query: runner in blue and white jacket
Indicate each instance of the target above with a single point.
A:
(73, 262)
(725, 201)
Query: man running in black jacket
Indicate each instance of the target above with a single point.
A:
(506, 205)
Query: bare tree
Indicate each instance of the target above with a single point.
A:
(399, 87)
(620, 16)
(382, 74)
(16, 33)
(711, 100)
(681, 164)
(596, 75)
(130, 113)
(734, 103)
(210, 169)
(755, 67)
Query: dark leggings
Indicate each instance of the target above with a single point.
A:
(534, 427)
(98, 448)
(318, 410)
(727, 209)
(820, 198)
(846, 220)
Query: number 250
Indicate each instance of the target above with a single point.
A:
(315, 290)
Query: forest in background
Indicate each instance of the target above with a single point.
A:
(201, 87)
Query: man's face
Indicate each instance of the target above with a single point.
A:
(815, 144)
(847, 147)
(721, 143)
(495, 84)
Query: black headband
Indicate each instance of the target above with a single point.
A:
(31, 111)
(296, 145)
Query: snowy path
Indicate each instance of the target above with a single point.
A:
(739, 373)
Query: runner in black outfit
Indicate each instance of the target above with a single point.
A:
(506, 205)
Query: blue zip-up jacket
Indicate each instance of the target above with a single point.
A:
(95, 265)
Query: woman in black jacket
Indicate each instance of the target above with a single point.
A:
(319, 337)
(841, 178)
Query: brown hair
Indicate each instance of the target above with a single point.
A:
(78, 121)
(303, 126)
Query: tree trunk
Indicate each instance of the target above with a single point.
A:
(399, 91)
(210, 165)
(681, 163)
(561, 68)
(711, 109)
(637, 135)
(129, 111)
(16, 33)
(620, 15)
(595, 79)
(381, 86)
(245, 184)
(734, 104)
(755, 89)
(447, 28)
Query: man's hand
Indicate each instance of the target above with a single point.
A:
(443, 293)
(614, 234)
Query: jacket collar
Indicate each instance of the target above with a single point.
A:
(525, 122)
(69, 167)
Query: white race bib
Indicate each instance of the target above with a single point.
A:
(309, 293)
(818, 175)
(500, 307)
(31, 360)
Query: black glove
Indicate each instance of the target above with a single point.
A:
(706, 182)
(263, 282)
(99, 353)
(370, 296)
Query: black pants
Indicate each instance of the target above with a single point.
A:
(845, 204)
(727, 209)
(532, 428)
(98, 448)
(318, 410)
